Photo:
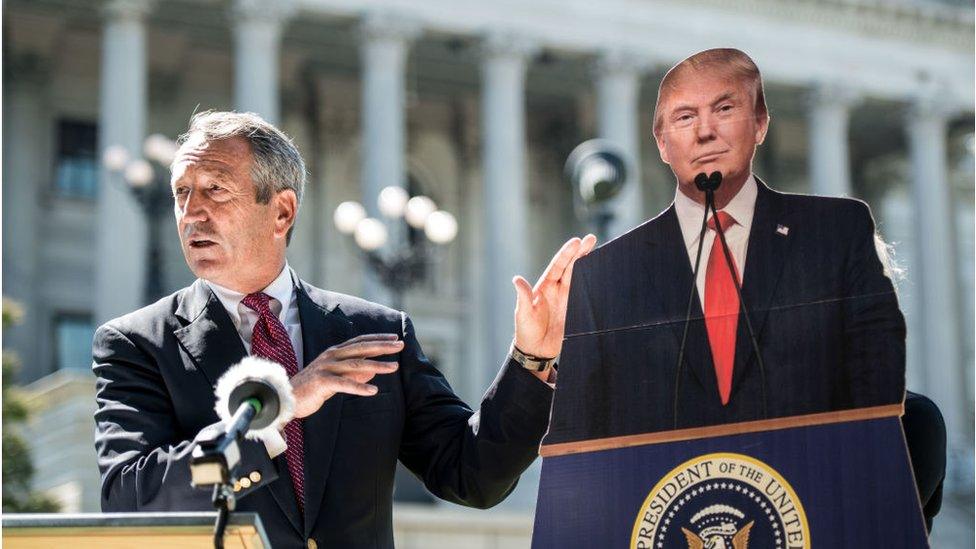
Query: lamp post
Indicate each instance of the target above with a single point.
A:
(147, 178)
(403, 266)
(597, 171)
(399, 266)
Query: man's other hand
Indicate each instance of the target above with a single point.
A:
(540, 311)
(344, 368)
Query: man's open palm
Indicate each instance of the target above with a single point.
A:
(540, 311)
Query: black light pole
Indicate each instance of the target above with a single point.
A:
(147, 179)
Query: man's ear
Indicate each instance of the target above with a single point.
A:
(662, 148)
(762, 127)
(286, 207)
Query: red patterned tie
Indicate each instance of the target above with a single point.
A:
(721, 309)
(270, 340)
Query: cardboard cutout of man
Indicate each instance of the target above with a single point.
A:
(826, 317)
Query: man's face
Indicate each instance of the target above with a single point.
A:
(709, 124)
(226, 235)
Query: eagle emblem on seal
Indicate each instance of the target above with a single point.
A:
(715, 528)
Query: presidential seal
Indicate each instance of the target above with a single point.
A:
(721, 501)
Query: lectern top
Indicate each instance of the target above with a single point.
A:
(145, 530)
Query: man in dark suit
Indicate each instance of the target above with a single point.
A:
(825, 314)
(366, 396)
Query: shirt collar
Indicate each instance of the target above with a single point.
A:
(742, 207)
(281, 289)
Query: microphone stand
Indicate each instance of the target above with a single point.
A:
(214, 461)
(708, 184)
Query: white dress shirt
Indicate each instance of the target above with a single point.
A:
(741, 208)
(285, 306)
(282, 303)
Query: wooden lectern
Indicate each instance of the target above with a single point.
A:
(836, 479)
(130, 530)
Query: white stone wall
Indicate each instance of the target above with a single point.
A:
(876, 52)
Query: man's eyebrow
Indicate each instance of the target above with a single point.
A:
(688, 107)
(220, 173)
(724, 97)
(682, 107)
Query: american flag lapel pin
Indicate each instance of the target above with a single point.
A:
(783, 230)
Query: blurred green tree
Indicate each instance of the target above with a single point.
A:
(18, 471)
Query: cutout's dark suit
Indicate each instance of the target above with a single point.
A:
(156, 370)
(826, 318)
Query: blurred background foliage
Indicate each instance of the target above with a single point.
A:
(18, 471)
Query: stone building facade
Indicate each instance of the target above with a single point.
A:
(477, 105)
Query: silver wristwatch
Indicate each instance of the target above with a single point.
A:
(529, 362)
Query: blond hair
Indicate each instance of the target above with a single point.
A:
(728, 62)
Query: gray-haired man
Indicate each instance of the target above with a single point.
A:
(237, 185)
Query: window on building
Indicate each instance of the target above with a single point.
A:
(76, 165)
(73, 339)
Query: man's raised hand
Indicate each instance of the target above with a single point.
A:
(344, 368)
(540, 310)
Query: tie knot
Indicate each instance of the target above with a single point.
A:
(724, 218)
(258, 302)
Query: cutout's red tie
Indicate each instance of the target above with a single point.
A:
(270, 340)
(721, 309)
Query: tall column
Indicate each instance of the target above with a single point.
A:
(935, 260)
(119, 262)
(24, 125)
(386, 40)
(618, 118)
(257, 44)
(506, 196)
(829, 115)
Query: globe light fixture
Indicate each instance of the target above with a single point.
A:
(115, 157)
(418, 210)
(160, 148)
(139, 173)
(348, 215)
(441, 227)
(370, 234)
(402, 245)
(392, 201)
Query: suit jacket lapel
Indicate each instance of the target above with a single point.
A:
(671, 282)
(210, 337)
(323, 325)
(766, 257)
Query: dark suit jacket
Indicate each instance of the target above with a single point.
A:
(825, 315)
(157, 368)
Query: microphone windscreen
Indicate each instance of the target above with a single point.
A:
(701, 181)
(259, 378)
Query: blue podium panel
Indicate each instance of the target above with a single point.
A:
(831, 485)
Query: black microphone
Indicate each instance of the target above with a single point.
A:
(707, 184)
(254, 399)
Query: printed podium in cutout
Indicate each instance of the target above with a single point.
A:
(836, 479)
